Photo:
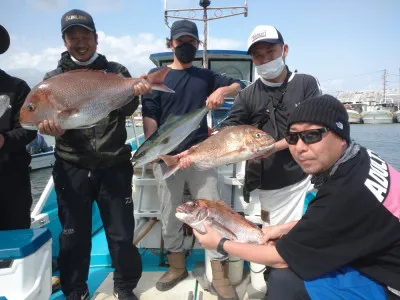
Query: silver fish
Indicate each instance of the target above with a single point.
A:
(168, 136)
(4, 104)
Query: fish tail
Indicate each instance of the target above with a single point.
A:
(171, 171)
(158, 76)
(172, 163)
(157, 79)
(162, 88)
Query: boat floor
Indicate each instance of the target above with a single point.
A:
(195, 287)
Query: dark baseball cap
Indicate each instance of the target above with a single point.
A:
(77, 17)
(4, 40)
(184, 27)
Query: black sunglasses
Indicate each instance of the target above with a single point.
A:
(308, 136)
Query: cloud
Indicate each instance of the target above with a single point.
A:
(133, 51)
(48, 5)
(224, 44)
(332, 86)
(104, 5)
(178, 4)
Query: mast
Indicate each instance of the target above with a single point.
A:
(384, 85)
(219, 13)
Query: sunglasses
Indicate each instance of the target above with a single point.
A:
(308, 136)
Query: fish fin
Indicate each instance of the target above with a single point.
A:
(172, 164)
(162, 88)
(85, 126)
(171, 171)
(223, 229)
(158, 76)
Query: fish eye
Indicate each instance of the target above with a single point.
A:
(31, 107)
(258, 135)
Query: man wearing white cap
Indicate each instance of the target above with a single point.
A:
(267, 104)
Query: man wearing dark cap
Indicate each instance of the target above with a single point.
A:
(15, 185)
(194, 88)
(93, 164)
(347, 245)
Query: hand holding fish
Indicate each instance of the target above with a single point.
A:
(215, 100)
(210, 239)
(184, 160)
(275, 232)
(270, 234)
(142, 87)
(48, 127)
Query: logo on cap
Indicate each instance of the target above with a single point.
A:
(339, 125)
(258, 35)
(73, 17)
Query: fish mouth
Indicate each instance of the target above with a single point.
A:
(29, 126)
(267, 148)
(180, 215)
(180, 209)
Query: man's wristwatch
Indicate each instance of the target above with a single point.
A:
(220, 247)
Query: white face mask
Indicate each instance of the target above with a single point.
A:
(271, 69)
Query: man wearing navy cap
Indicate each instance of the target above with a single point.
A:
(93, 164)
(194, 88)
(15, 185)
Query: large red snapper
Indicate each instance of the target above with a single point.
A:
(81, 98)
(231, 144)
(221, 217)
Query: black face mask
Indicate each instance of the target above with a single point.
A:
(185, 53)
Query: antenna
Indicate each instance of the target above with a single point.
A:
(219, 13)
(384, 85)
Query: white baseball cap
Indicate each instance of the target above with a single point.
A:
(264, 33)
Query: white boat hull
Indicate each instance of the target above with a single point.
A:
(354, 117)
(396, 116)
(377, 119)
(42, 160)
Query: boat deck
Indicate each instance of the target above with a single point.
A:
(195, 287)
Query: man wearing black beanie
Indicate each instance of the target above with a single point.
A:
(347, 245)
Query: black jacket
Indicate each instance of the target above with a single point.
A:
(103, 145)
(13, 154)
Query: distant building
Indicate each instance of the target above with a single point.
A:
(370, 97)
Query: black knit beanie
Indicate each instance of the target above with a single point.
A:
(323, 110)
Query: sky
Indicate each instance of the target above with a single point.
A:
(345, 44)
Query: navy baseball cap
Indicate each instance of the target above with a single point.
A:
(4, 40)
(264, 33)
(77, 17)
(184, 27)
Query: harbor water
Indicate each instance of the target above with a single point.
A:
(383, 139)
